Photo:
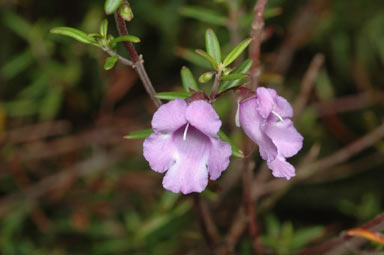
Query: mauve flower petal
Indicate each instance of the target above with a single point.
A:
(265, 102)
(202, 116)
(281, 168)
(252, 124)
(170, 116)
(283, 107)
(218, 157)
(285, 136)
(189, 173)
(158, 151)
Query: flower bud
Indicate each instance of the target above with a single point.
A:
(126, 12)
(206, 77)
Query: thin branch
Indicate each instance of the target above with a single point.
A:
(256, 35)
(208, 226)
(136, 59)
(84, 168)
(345, 153)
(299, 31)
(233, 26)
(122, 28)
(249, 204)
(307, 84)
(237, 228)
(349, 103)
(123, 60)
(342, 243)
(35, 132)
(215, 86)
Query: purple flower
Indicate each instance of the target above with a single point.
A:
(186, 145)
(265, 119)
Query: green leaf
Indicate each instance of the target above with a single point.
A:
(160, 221)
(188, 80)
(139, 134)
(50, 104)
(110, 62)
(74, 33)
(235, 150)
(173, 95)
(232, 77)
(16, 65)
(212, 45)
(304, 236)
(111, 6)
(17, 24)
(126, 38)
(95, 35)
(243, 68)
(193, 57)
(236, 51)
(104, 28)
(206, 56)
(22, 107)
(205, 15)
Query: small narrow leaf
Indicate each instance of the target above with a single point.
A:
(50, 104)
(95, 35)
(139, 134)
(111, 6)
(188, 80)
(205, 15)
(126, 38)
(243, 68)
(193, 57)
(235, 150)
(110, 62)
(74, 33)
(104, 28)
(16, 65)
(173, 95)
(207, 57)
(232, 77)
(236, 51)
(212, 45)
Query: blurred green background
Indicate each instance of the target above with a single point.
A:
(69, 182)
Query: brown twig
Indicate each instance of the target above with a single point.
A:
(349, 103)
(36, 132)
(233, 26)
(207, 224)
(349, 168)
(138, 63)
(121, 59)
(343, 154)
(249, 203)
(237, 228)
(299, 32)
(254, 48)
(215, 86)
(83, 168)
(38, 216)
(342, 243)
(307, 84)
